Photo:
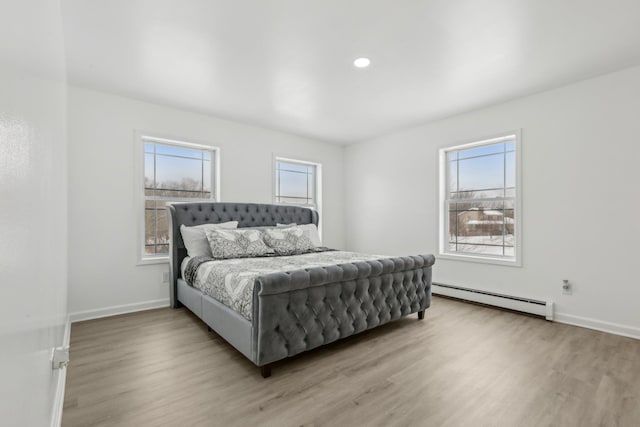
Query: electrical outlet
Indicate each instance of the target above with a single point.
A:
(60, 358)
(567, 289)
(165, 277)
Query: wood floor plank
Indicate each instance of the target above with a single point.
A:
(464, 365)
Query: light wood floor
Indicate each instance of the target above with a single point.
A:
(464, 365)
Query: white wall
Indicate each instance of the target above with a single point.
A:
(102, 211)
(33, 235)
(581, 174)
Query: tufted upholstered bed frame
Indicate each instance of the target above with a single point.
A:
(300, 310)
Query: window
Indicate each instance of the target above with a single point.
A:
(174, 171)
(480, 201)
(296, 182)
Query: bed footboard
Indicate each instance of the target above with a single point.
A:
(305, 309)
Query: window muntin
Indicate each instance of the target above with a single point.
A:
(296, 182)
(480, 200)
(174, 171)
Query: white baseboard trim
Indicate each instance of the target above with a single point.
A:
(118, 309)
(58, 402)
(598, 325)
(569, 319)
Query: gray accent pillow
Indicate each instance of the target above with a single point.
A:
(236, 243)
(310, 230)
(287, 241)
(195, 238)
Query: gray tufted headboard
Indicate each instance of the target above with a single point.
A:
(247, 215)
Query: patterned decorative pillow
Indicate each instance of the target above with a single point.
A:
(236, 243)
(310, 230)
(287, 241)
(195, 238)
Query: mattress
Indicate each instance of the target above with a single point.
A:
(231, 281)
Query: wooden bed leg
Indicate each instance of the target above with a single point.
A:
(421, 315)
(265, 371)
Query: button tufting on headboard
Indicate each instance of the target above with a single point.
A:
(247, 214)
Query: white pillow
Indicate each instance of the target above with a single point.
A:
(310, 230)
(195, 238)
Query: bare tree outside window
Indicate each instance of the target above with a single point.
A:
(480, 199)
(172, 173)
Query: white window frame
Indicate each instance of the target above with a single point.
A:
(443, 223)
(317, 187)
(140, 138)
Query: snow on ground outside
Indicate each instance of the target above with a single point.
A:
(468, 244)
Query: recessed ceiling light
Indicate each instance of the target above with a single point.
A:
(362, 62)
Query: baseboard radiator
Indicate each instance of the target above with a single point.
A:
(525, 305)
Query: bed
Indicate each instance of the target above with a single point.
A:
(297, 310)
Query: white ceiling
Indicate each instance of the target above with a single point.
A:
(287, 64)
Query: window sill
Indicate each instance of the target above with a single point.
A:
(154, 260)
(481, 259)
